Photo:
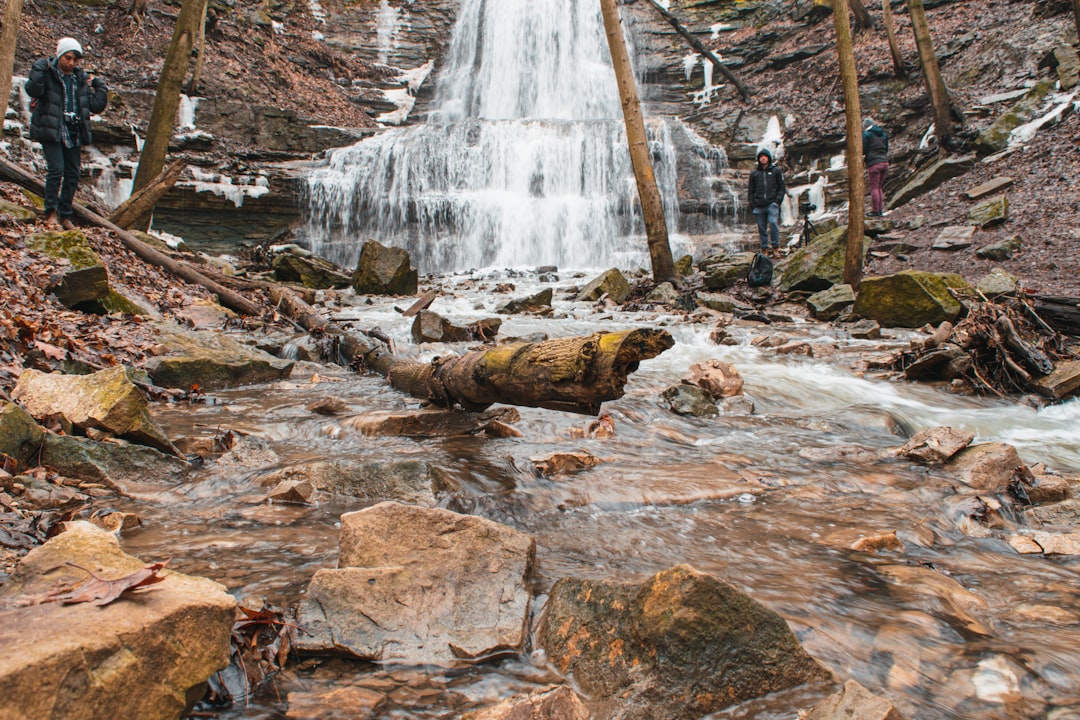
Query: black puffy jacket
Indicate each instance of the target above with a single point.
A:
(766, 184)
(45, 86)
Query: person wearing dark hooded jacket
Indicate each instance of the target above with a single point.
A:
(65, 97)
(767, 191)
(875, 143)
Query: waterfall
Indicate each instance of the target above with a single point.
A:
(522, 162)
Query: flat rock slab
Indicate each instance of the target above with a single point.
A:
(211, 360)
(955, 237)
(137, 657)
(988, 187)
(421, 586)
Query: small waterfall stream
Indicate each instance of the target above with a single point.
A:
(523, 162)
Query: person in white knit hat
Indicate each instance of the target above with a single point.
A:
(63, 98)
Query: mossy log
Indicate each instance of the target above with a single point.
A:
(574, 374)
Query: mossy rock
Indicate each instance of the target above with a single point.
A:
(20, 435)
(996, 137)
(612, 283)
(87, 280)
(17, 212)
(910, 298)
(820, 264)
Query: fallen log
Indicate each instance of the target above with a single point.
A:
(228, 298)
(574, 374)
(142, 201)
(1063, 313)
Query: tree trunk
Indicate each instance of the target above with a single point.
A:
(200, 61)
(141, 204)
(702, 50)
(894, 46)
(652, 207)
(863, 21)
(939, 96)
(9, 33)
(853, 257)
(228, 298)
(167, 99)
(1076, 14)
(574, 374)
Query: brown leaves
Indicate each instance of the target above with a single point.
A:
(262, 639)
(99, 591)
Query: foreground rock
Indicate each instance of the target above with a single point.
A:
(854, 701)
(139, 657)
(106, 400)
(681, 644)
(85, 279)
(420, 586)
(211, 361)
(560, 703)
(383, 270)
(909, 299)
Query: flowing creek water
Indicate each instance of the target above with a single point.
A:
(738, 496)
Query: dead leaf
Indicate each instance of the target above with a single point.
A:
(99, 591)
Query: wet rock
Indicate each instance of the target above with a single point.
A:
(536, 303)
(85, 280)
(690, 400)
(720, 302)
(719, 646)
(328, 406)
(565, 463)
(723, 270)
(382, 270)
(988, 187)
(854, 701)
(862, 541)
(931, 177)
(428, 423)
(936, 445)
(115, 521)
(956, 603)
(134, 658)
(356, 703)
(558, 703)
(116, 464)
(293, 492)
(205, 314)
(909, 298)
(865, 330)
(841, 454)
(738, 405)
(421, 586)
(106, 400)
(1066, 512)
(987, 467)
(310, 271)
(1046, 614)
(1001, 251)
(1025, 545)
(211, 361)
(1048, 489)
(1062, 382)
(1051, 543)
(716, 377)
(819, 265)
(20, 435)
(945, 363)
(431, 327)
(795, 347)
(664, 293)
(829, 303)
(612, 283)
(998, 283)
(956, 237)
(990, 212)
(409, 481)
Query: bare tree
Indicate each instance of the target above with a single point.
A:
(167, 99)
(894, 46)
(652, 207)
(939, 96)
(9, 33)
(863, 21)
(853, 257)
(200, 61)
(1076, 12)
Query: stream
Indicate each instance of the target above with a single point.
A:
(756, 499)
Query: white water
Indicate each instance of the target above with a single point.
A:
(523, 162)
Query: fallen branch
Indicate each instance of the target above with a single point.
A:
(142, 202)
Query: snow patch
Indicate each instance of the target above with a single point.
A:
(772, 140)
(1062, 104)
(223, 186)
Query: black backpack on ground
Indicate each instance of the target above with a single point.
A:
(760, 272)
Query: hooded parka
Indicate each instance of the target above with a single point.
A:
(46, 86)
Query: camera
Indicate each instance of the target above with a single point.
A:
(72, 119)
(806, 207)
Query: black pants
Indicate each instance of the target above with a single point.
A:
(61, 177)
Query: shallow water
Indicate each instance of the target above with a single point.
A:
(731, 496)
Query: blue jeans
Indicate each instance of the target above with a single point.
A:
(768, 226)
(61, 177)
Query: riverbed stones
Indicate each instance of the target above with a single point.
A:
(679, 644)
(382, 270)
(144, 656)
(121, 466)
(538, 302)
(611, 283)
(407, 481)
(716, 377)
(690, 400)
(106, 400)
(828, 304)
(936, 445)
(986, 467)
(421, 586)
(909, 298)
(854, 701)
(557, 703)
(85, 279)
(428, 422)
(211, 361)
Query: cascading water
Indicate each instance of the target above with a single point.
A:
(523, 162)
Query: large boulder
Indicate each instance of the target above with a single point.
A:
(212, 361)
(310, 271)
(681, 644)
(987, 467)
(932, 176)
(612, 283)
(144, 656)
(421, 585)
(820, 264)
(384, 270)
(86, 280)
(723, 270)
(828, 304)
(910, 298)
(106, 400)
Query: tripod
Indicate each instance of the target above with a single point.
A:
(808, 232)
